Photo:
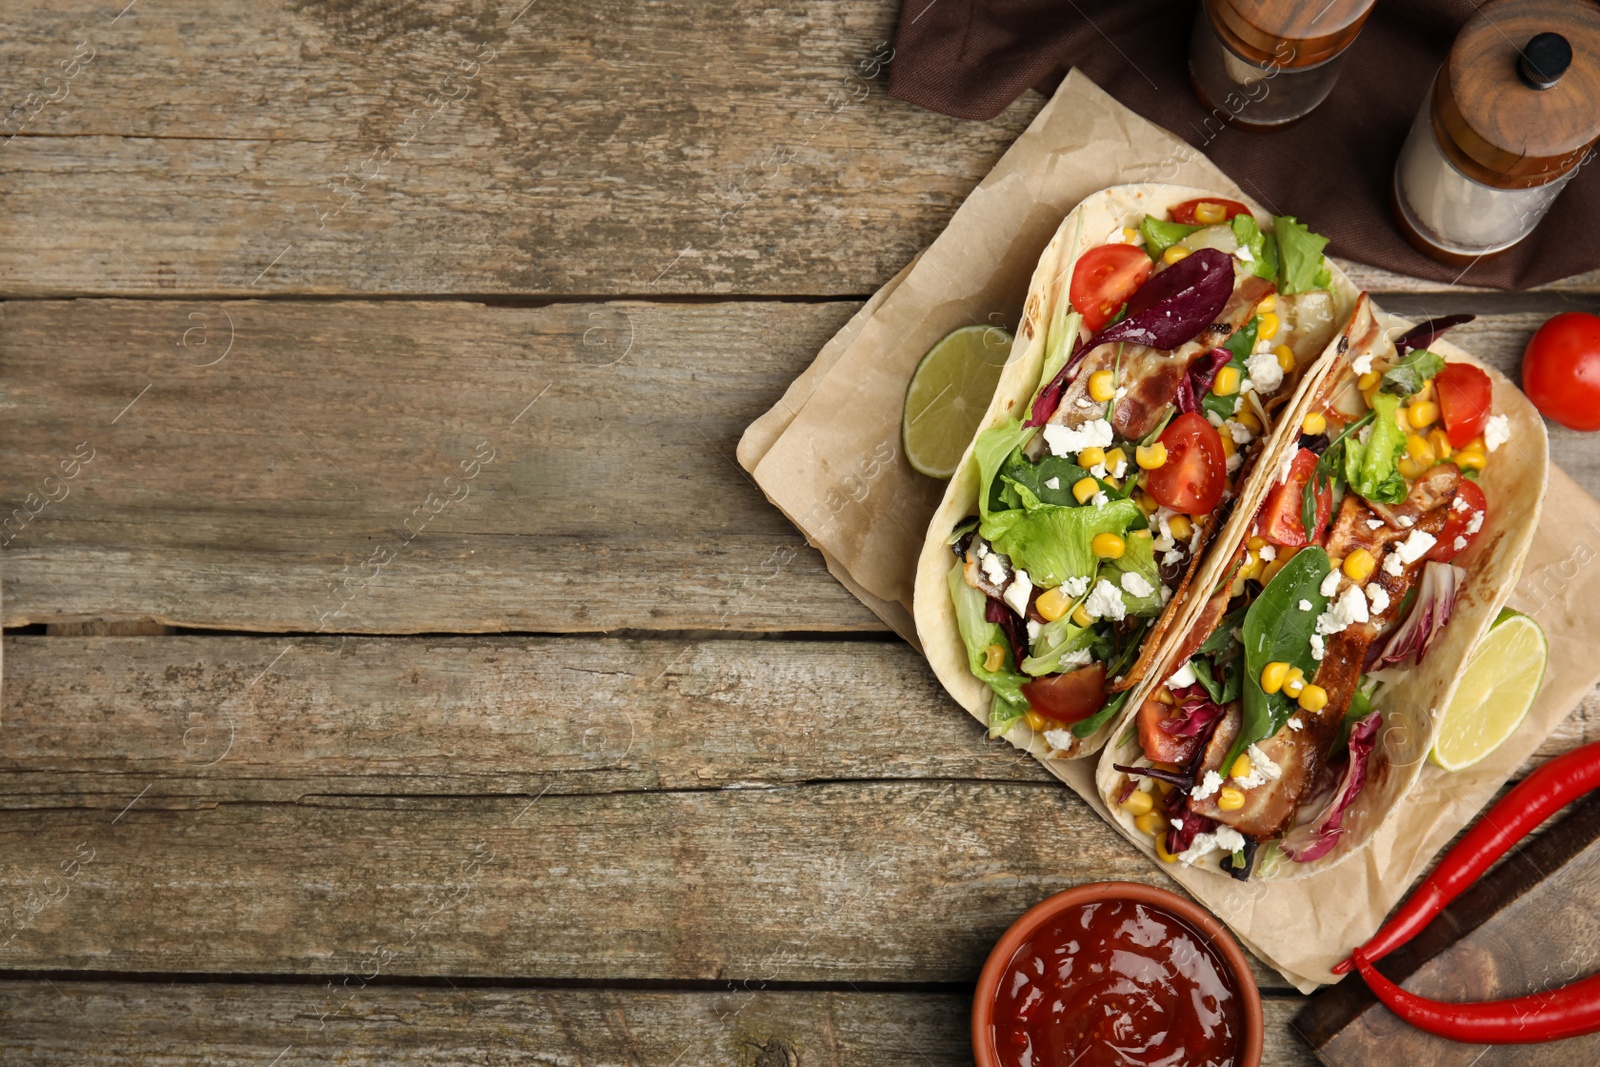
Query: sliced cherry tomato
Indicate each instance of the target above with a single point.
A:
(1561, 370)
(1184, 212)
(1196, 470)
(1280, 520)
(1104, 279)
(1069, 697)
(1464, 401)
(1459, 522)
(1158, 745)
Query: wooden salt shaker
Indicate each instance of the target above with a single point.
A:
(1510, 116)
(1265, 63)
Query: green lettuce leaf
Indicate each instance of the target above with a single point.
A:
(1139, 557)
(1055, 640)
(1276, 630)
(1052, 543)
(1261, 245)
(1301, 266)
(1407, 377)
(1160, 235)
(993, 448)
(978, 633)
(1370, 468)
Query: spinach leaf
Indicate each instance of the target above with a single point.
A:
(1160, 235)
(1222, 689)
(1221, 406)
(1242, 341)
(1017, 470)
(1409, 375)
(1085, 727)
(1222, 644)
(1370, 468)
(1300, 267)
(1276, 630)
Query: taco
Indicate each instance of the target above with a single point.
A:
(1164, 332)
(1299, 703)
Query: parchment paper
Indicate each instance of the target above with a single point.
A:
(828, 455)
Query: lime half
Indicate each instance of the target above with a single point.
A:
(948, 395)
(1495, 693)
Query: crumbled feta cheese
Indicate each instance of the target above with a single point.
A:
(1235, 461)
(1245, 386)
(1166, 595)
(1407, 521)
(1177, 824)
(1229, 839)
(1239, 432)
(1075, 587)
(1182, 677)
(1122, 391)
(1199, 530)
(1317, 647)
(1378, 597)
(1295, 723)
(1105, 601)
(1214, 419)
(1070, 440)
(1136, 584)
(1268, 553)
(1098, 470)
(1330, 584)
(1078, 657)
(1121, 468)
(1350, 608)
(982, 549)
(1203, 846)
(1100, 499)
(1208, 786)
(1287, 466)
(1460, 543)
(1496, 432)
(1115, 237)
(1375, 524)
(1084, 402)
(993, 569)
(1033, 630)
(1393, 565)
(1459, 504)
(1304, 605)
(1173, 557)
(1475, 523)
(1414, 547)
(1163, 544)
(1060, 740)
(1245, 255)
(1362, 364)
(1018, 592)
(1052, 483)
(1265, 372)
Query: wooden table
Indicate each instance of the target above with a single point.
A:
(406, 672)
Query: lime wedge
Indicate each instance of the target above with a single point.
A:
(1495, 693)
(948, 395)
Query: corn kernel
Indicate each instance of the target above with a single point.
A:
(1208, 213)
(1138, 803)
(1272, 676)
(1268, 327)
(1228, 447)
(1146, 502)
(1368, 380)
(1108, 546)
(1141, 535)
(1161, 840)
(1422, 415)
(1314, 423)
(1036, 722)
(1173, 254)
(1411, 470)
(1469, 459)
(1091, 456)
(1236, 587)
(1475, 445)
(1439, 441)
(1164, 695)
(1129, 234)
(1150, 457)
(1052, 604)
(1227, 382)
(1116, 458)
(1165, 789)
(1426, 392)
(1295, 683)
(1313, 698)
(1285, 356)
(1084, 488)
(994, 657)
(1417, 448)
(1270, 571)
(1248, 420)
(1251, 567)
(1081, 616)
(1230, 799)
(1151, 822)
(1256, 543)
(1241, 767)
(1182, 527)
(1358, 565)
(1102, 385)
(1268, 303)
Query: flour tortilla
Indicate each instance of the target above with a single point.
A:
(1412, 698)
(1086, 226)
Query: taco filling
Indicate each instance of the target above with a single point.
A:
(1178, 346)
(1253, 749)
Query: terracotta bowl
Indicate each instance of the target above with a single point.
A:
(1204, 922)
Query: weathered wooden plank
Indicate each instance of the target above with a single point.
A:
(403, 467)
(269, 488)
(205, 720)
(58, 1022)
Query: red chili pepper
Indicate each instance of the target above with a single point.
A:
(1569, 1011)
(1540, 795)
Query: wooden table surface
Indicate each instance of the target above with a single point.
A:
(405, 672)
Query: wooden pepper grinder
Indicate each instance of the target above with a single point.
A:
(1265, 63)
(1510, 116)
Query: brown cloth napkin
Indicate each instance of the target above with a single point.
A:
(1332, 169)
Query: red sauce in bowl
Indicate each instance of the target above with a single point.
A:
(1117, 983)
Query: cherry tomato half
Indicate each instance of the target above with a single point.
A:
(1104, 279)
(1561, 370)
(1069, 697)
(1184, 212)
(1280, 520)
(1196, 470)
(1465, 401)
(1158, 745)
(1458, 521)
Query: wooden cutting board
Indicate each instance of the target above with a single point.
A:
(1532, 923)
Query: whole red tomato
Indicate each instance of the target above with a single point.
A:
(1561, 370)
